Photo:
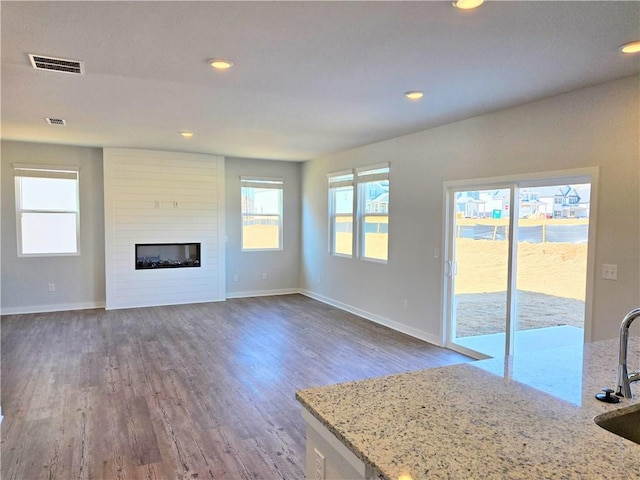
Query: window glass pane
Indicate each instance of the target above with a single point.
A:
(261, 216)
(44, 233)
(260, 232)
(343, 234)
(375, 234)
(343, 199)
(48, 193)
(376, 237)
(262, 200)
(342, 218)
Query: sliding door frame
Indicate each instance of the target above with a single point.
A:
(514, 183)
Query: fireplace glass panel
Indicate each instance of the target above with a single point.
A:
(167, 255)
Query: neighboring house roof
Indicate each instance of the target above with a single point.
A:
(382, 198)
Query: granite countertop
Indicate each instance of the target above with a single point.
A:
(524, 417)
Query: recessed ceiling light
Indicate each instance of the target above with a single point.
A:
(631, 47)
(186, 134)
(414, 95)
(220, 64)
(467, 4)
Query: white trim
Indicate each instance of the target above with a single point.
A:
(467, 351)
(362, 171)
(43, 168)
(512, 264)
(161, 304)
(263, 293)
(221, 271)
(261, 182)
(526, 179)
(380, 320)
(341, 183)
(62, 307)
(591, 252)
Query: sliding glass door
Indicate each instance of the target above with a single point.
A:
(516, 265)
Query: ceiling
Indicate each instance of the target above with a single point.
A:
(309, 78)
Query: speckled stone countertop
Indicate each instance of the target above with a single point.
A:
(526, 417)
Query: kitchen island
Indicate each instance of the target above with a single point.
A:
(524, 417)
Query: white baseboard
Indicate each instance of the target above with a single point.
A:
(262, 293)
(413, 332)
(162, 304)
(63, 307)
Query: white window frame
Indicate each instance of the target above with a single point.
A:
(359, 178)
(340, 180)
(366, 175)
(45, 171)
(262, 182)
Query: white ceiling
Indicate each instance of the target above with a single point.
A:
(309, 78)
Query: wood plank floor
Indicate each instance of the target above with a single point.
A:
(182, 392)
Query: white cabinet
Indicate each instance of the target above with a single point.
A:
(328, 458)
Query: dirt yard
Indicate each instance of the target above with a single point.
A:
(551, 282)
(557, 269)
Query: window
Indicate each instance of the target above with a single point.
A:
(47, 210)
(341, 213)
(261, 213)
(371, 204)
(373, 191)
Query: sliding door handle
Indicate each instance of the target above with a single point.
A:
(450, 268)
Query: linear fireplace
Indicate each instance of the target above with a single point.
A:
(167, 255)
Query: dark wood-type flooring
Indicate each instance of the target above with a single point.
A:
(200, 391)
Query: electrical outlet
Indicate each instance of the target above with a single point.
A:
(264, 276)
(609, 272)
(235, 278)
(320, 472)
(51, 287)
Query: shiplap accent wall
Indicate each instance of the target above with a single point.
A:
(163, 197)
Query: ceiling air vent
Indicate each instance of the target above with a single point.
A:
(56, 64)
(56, 121)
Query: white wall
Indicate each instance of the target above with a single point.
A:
(163, 197)
(281, 267)
(597, 126)
(78, 280)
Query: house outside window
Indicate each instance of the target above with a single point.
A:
(262, 213)
(47, 210)
(364, 191)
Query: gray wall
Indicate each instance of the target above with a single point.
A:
(79, 280)
(597, 126)
(281, 267)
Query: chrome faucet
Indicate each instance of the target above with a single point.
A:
(623, 378)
